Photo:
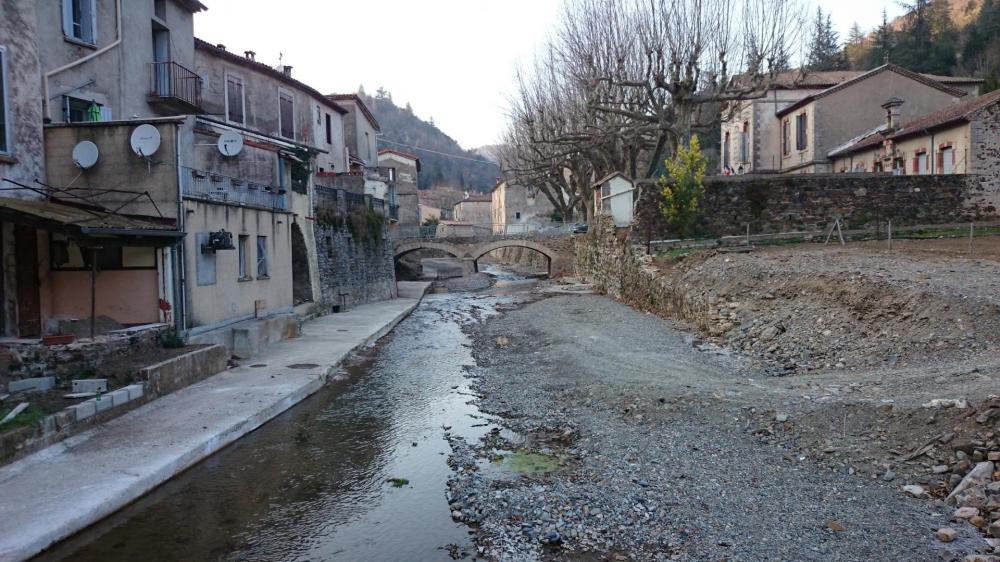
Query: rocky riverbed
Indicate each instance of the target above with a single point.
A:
(627, 438)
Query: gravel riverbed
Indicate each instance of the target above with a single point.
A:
(662, 450)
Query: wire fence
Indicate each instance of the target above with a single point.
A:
(837, 233)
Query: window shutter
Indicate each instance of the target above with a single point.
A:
(916, 164)
(67, 10)
(940, 162)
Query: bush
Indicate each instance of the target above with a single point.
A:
(683, 188)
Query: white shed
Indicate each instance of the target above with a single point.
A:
(614, 194)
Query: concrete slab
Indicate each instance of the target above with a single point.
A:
(84, 410)
(102, 403)
(36, 383)
(134, 391)
(44, 499)
(90, 385)
(118, 397)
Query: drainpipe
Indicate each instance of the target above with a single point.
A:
(45, 79)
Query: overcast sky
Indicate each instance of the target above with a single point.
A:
(453, 60)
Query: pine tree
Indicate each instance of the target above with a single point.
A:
(928, 39)
(856, 49)
(825, 53)
(882, 45)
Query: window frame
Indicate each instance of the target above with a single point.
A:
(5, 148)
(786, 137)
(262, 272)
(281, 122)
(69, 24)
(801, 134)
(243, 257)
(329, 128)
(243, 97)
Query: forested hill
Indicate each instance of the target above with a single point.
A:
(455, 167)
(946, 37)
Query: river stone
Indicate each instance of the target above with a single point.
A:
(977, 478)
(946, 534)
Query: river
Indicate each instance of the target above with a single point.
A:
(356, 472)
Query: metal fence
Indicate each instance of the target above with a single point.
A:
(199, 184)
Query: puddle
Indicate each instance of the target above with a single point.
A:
(525, 462)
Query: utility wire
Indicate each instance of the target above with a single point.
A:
(410, 146)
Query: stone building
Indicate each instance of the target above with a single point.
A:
(788, 124)
(360, 131)
(475, 209)
(518, 208)
(407, 175)
(960, 139)
(104, 220)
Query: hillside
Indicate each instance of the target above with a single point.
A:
(443, 161)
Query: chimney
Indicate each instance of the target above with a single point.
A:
(220, 46)
(287, 70)
(891, 107)
(250, 55)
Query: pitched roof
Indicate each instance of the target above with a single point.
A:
(884, 68)
(955, 79)
(961, 111)
(399, 153)
(476, 198)
(226, 55)
(356, 100)
(608, 178)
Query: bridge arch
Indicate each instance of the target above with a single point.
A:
(413, 246)
(483, 249)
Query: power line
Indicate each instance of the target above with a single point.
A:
(412, 147)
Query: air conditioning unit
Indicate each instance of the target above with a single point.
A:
(219, 240)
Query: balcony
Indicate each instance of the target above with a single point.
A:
(174, 87)
(196, 184)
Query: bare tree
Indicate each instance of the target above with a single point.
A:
(624, 82)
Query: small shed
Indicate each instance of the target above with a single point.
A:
(614, 195)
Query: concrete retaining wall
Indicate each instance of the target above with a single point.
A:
(172, 374)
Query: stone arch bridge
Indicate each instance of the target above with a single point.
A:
(557, 249)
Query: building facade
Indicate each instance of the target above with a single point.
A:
(406, 168)
(790, 122)
(518, 208)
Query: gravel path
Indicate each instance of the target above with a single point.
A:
(659, 453)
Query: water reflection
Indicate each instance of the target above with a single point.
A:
(313, 484)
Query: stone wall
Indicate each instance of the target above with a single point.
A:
(355, 262)
(811, 201)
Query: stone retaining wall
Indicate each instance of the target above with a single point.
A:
(353, 271)
(771, 204)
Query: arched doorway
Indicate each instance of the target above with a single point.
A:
(301, 279)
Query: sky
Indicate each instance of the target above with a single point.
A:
(452, 60)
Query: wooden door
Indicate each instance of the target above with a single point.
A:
(29, 322)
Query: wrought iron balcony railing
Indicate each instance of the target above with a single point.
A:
(171, 83)
(217, 188)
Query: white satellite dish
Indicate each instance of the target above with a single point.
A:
(85, 155)
(230, 143)
(145, 140)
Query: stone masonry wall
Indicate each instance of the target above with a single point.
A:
(985, 152)
(773, 204)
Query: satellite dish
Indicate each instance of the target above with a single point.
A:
(85, 155)
(230, 143)
(145, 140)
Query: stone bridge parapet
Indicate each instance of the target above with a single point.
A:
(557, 249)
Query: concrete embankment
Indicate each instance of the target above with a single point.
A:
(64, 488)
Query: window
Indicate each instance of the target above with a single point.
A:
(745, 143)
(920, 163)
(4, 138)
(800, 132)
(262, 257)
(286, 114)
(329, 130)
(80, 20)
(235, 100)
(66, 255)
(725, 151)
(517, 215)
(244, 256)
(786, 145)
(76, 110)
(160, 9)
(946, 160)
(367, 142)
